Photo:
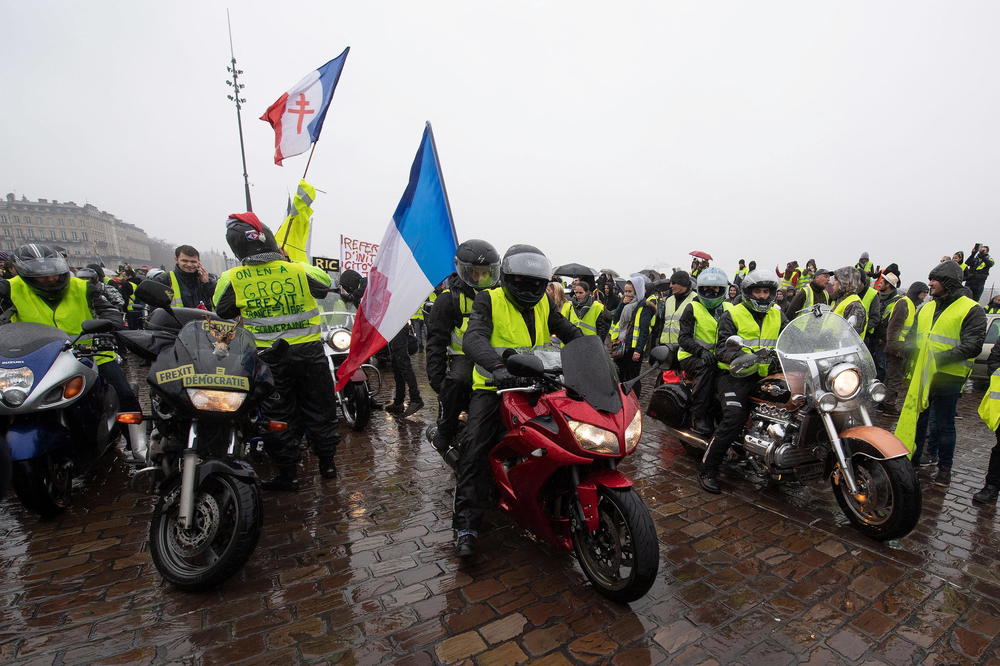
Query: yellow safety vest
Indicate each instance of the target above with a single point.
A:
(706, 329)
(989, 408)
(842, 308)
(274, 300)
(458, 333)
(945, 333)
(589, 322)
(175, 299)
(425, 307)
(867, 300)
(931, 337)
(887, 310)
(510, 332)
(672, 312)
(811, 296)
(68, 316)
(755, 337)
(911, 313)
(637, 317)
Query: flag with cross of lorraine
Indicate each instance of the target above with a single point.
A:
(297, 116)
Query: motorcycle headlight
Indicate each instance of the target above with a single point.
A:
(16, 378)
(827, 402)
(633, 432)
(339, 340)
(878, 391)
(594, 439)
(209, 400)
(844, 382)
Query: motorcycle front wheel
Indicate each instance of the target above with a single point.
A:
(622, 556)
(889, 501)
(227, 520)
(43, 484)
(356, 405)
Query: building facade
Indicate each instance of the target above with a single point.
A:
(89, 235)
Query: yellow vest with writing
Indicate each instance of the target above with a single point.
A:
(275, 302)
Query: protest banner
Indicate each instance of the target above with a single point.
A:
(357, 255)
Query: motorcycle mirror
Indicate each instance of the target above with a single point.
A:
(734, 342)
(664, 354)
(98, 326)
(525, 365)
(156, 294)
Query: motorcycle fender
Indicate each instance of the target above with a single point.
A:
(359, 376)
(884, 441)
(30, 439)
(238, 468)
(587, 492)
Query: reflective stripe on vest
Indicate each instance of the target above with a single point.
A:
(175, 297)
(510, 332)
(989, 408)
(68, 316)
(755, 337)
(888, 309)
(945, 333)
(706, 329)
(275, 302)
(672, 311)
(589, 322)
(867, 300)
(911, 313)
(458, 333)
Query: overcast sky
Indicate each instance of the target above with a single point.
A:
(614, 134)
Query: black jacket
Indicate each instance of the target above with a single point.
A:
(100, 307)
(476, 343)
(978, 276)
(446, 315)
(193, 290)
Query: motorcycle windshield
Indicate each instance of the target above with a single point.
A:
(209, 354)
(335, 312)
(817, 342)
(588, 372)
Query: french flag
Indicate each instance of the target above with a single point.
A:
(417, 253)
(297, 116)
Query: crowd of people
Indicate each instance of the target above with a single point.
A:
(930, 329)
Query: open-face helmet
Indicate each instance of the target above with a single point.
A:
(712, 287)
(34, 261)
(477, 264)
(754, 280)
(524, 274)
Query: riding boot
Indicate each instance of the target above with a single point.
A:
(285, 480)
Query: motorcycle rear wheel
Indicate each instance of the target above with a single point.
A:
(43, 484)
(622, 556)
(892, 494)
(228, 518)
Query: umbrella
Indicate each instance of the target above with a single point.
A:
(701, 255)
(575, 270)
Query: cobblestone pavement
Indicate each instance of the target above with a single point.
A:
(360, 570)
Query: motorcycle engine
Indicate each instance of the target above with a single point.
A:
(771, 427)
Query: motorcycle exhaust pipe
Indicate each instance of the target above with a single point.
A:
(189, 464)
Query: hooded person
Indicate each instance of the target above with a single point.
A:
(946, 336)
(844, 288)
(865, 265)
(278, 301)
(518, 314)
(635, 321)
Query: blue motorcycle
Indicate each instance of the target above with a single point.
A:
(57, 416)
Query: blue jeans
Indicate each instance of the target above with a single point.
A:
(939, 432)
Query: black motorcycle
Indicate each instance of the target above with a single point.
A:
(207, 380)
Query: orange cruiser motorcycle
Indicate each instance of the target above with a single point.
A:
(812, 420)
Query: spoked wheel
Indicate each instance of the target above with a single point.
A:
(622, 556)
(43, 484)
(357, 405)
(227, 519)
(888, 502)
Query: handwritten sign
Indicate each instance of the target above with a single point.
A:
(357, 255)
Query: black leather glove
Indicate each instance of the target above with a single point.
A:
(707, 357)
(502, 378)
(741, 364)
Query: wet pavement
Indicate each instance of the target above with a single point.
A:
(360, 570)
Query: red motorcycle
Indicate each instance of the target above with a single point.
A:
(556, 467)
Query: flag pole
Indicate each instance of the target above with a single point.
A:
(291, 222)
(235, 97)
(309, 161)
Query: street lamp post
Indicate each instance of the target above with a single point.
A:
(239, 101)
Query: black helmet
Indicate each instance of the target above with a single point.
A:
(477, 264)
(248, 236)
(35, 261)
(524, 274)
(754, 279)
